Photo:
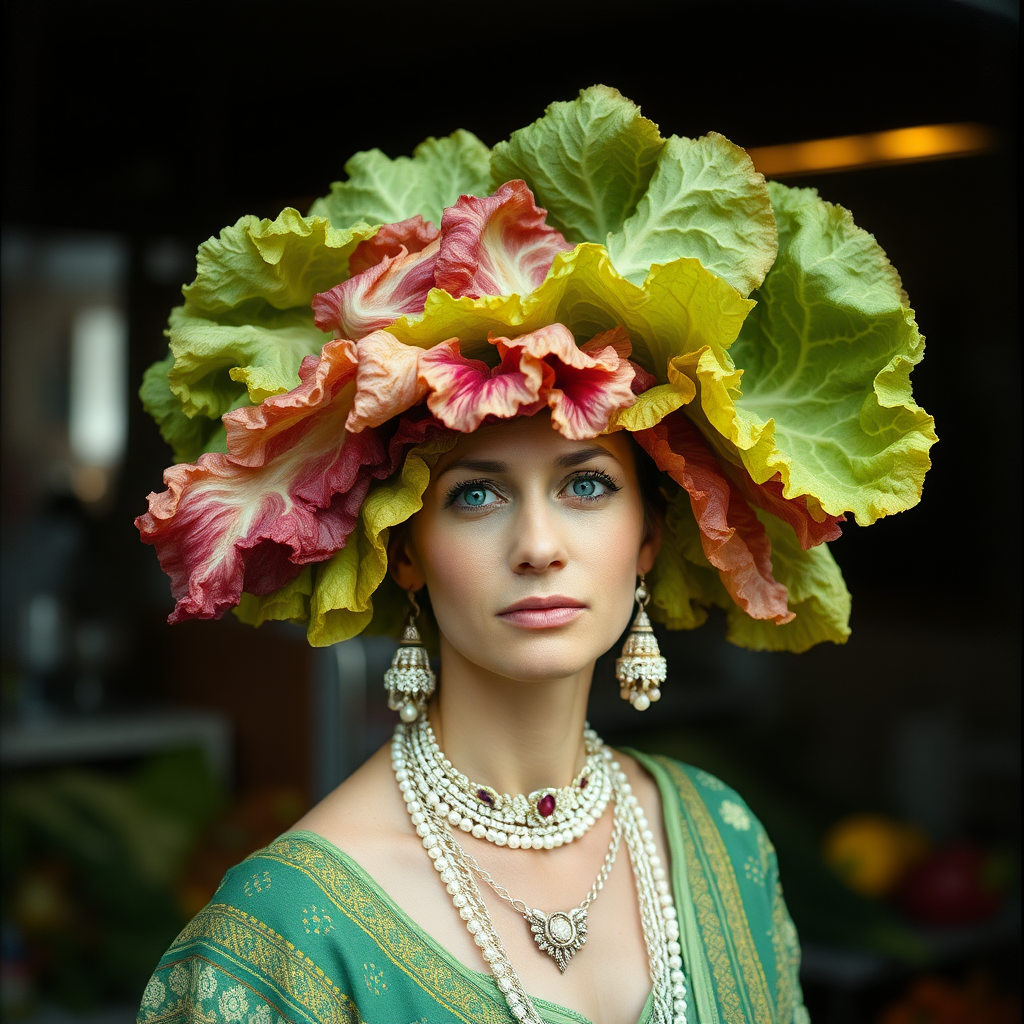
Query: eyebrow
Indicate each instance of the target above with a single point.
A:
(584, 455)
(567, 461)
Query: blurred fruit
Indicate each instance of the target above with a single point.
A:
(42, 899)
(957, 884)
(934, 1000)
(871, 852)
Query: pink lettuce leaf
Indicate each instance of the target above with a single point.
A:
(388, 380)
(798, 512)
(587, 384)
(733, 538)
(414, 235)
(285, 494)
(583, 386)
(397, 285)
(683, 583)
(335, 596)
(464, 392)
(496, 245)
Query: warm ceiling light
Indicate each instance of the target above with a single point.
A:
(901, 145)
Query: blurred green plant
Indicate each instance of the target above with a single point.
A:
(92, 864)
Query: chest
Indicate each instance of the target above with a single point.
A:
(607, 980)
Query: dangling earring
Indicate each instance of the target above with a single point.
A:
(410, 681)
(641, 667)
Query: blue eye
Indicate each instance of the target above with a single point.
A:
(475, 496)
(591, 486)
(586, 487)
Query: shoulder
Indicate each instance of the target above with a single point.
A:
(264, 948)
(704, 797)
(365, 814)
(721, 840)
(300, 933)
(299, 886)
(286, 936)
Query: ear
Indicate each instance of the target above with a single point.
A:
(650, 545)
(403, 562)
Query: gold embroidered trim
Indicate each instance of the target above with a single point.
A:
(714, 855)
(709, 921)
(364, 906)
(248, 941)
(787, 952)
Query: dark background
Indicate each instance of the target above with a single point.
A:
(156, 124)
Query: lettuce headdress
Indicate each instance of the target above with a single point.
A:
(754, 340)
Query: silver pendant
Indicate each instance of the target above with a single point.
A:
(561, 935)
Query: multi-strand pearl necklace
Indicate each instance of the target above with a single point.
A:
(456, 870)
(545, 819)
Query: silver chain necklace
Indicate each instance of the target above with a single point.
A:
(563, 933)
(657, 911)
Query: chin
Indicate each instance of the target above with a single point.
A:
(544, 673)
(544, 659)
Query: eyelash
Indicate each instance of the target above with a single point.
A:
(468, 485)
(593, 474)
(588, 474)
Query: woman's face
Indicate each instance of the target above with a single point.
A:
(529, 546)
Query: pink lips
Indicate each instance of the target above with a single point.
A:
(543, 612)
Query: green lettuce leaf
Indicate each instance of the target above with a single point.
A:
(247, 322)
(605, 175)
(588, 162)
(680, 308)
(826, 357)
(187, 437)
(216, 364)
(279, 264)
(704, 201)
(817, 594)
(380, 190)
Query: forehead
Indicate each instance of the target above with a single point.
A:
(530, 441)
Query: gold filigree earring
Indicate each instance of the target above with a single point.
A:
(641, 668)
(410, 681)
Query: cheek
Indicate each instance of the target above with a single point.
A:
(459, 567)
(613, 567)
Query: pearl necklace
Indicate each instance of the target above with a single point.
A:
(657, 911)
(545, 819)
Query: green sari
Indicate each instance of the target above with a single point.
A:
(299, 932)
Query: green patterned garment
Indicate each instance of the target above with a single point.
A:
(299, 932)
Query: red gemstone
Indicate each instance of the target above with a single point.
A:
(546, 805)
(584, 782)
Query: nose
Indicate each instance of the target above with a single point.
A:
(538, 543)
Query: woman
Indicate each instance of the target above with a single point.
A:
(468, 438)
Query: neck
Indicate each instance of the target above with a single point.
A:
(513, 735)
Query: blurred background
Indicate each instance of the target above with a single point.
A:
(140, 761)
